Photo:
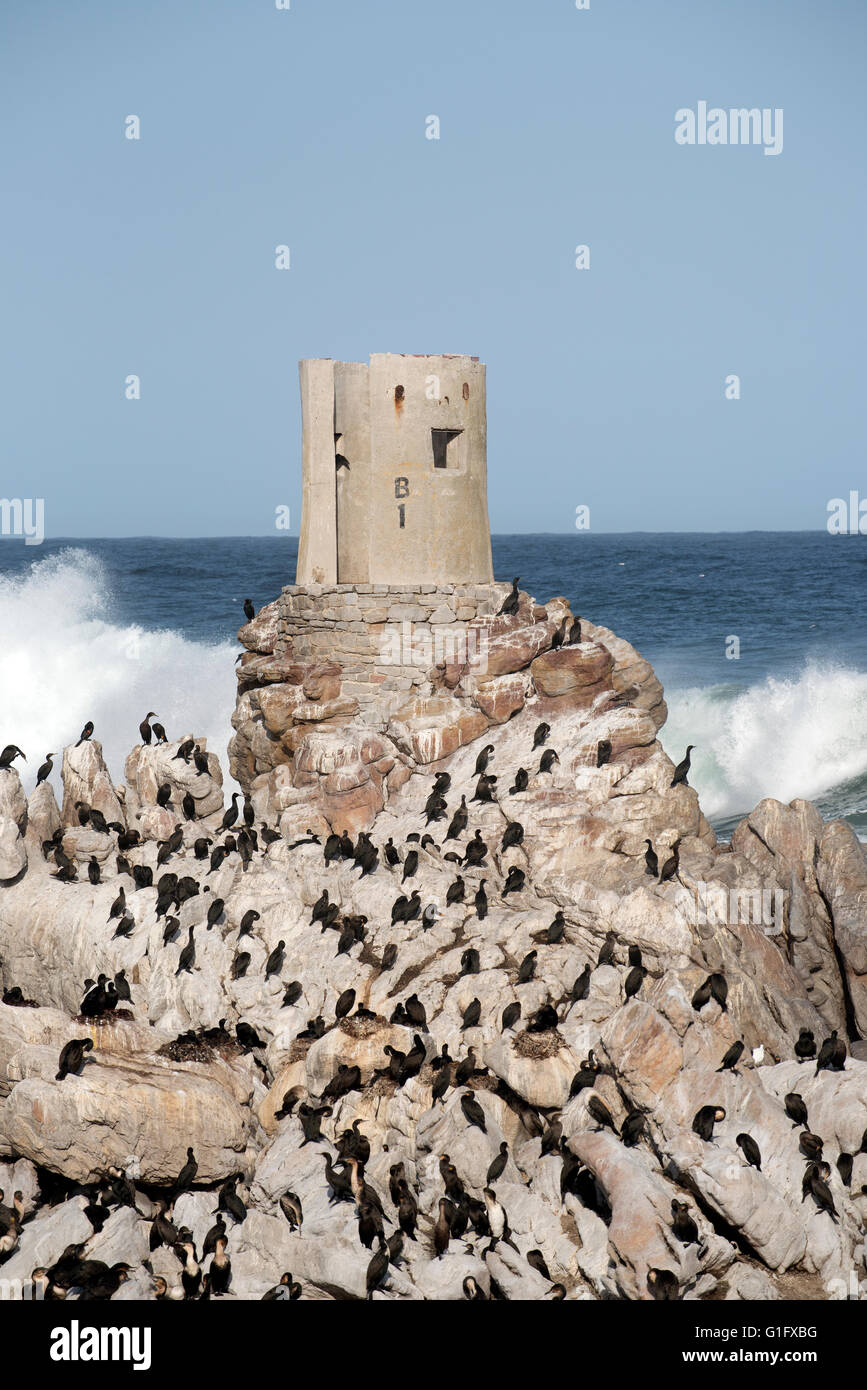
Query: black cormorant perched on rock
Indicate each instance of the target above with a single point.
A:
(230, 815)
(606, 951)
(512, 835)
(274, 963)
(603, 752)
(249, 610)
(509, 605)
(473, 1112)
(230, 1202)
(600, 1112)
(416, 1012)
(187, 1175)
(471, 1015)
(682, 769)
(410, 865)
(514, 881)
(144, 727)
(240, 965)
(632, 1128)
(663, 1285)
(86, 732)
(634, 981)
(406, 909)
(543, 1020)
(45, 770)
(483, 759)
(682, 1224)
(459, 821)
(705, 1119)
(650, 860)
(542, 732)
(832, 1054)
(521, 781)
(796, 1109)
(72, 1056)
(581, 985)
(731, 1058)
(480, 901)
(585, 1076)
(290, 1205)
(187, 958)
(476, 851)
(215, 912)
(527, 968)
(389, 956)
(671, 867)
(163, 1231)
(751, 1151)
(844, 1168)
(821, 1194)
(511, 1014)
(247, 1036)
(548, 759)
(288, 1290)
(811, 1145)
(701, 996)
(805, 1047)
(9, 754)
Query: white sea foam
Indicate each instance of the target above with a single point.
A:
(64, 661)
(786, 738)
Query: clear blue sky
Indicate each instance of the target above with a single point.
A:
(307, 127)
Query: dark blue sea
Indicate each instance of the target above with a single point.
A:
(108, 629)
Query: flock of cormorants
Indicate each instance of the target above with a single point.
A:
(458, 1214)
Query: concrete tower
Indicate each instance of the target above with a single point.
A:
(394, 485)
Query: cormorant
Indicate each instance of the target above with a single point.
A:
(72, 1056)
(682, 769)
(509, 606)
(45, 770)
(750, 1150)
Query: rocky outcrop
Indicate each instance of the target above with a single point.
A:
(86, 781)
(519, 968)
(13, 825)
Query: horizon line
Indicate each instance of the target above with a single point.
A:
(261, 536)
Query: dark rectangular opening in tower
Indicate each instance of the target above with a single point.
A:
(441, 440)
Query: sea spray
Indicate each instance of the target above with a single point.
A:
(63, 660)
(803, 736)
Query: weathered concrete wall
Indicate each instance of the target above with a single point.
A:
(408, 499)
(317, 545)
(385, 637)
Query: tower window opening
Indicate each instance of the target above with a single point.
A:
(443, 456)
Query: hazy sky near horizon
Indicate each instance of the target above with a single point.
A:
(307, 127)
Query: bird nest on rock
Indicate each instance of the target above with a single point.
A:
(361, 1027)
(187, 1051)
(538, 1045)
(380, 1086)
(198, 1050)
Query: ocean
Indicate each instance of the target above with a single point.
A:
(109, 629)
